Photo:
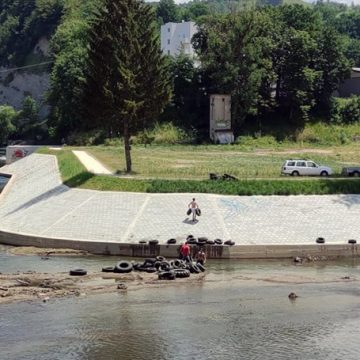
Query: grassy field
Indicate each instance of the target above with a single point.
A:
(165, 169)
(196, 162)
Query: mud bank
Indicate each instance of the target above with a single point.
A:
(34, 286)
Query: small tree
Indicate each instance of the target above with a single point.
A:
(27, 120)
(7, 116)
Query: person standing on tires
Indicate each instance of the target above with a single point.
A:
(185, 252)
(193, 206)
(201, 257)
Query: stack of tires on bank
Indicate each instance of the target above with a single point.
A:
(166, 270)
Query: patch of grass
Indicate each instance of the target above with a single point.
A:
(74, 175)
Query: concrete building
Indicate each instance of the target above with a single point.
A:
(220, 119)
(350, 86)
(176, 38)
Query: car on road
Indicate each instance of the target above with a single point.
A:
(304, 168)
(351, 171)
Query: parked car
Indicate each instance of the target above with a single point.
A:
(304, 168)
(351, 171)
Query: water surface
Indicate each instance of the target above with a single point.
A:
(237, 313)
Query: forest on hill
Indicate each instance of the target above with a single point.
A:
(281, 63)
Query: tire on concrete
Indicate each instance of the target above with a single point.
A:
(229, 242)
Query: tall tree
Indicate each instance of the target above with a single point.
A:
(167, 11)
(126, 69)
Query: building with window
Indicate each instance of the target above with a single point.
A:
(176, 38)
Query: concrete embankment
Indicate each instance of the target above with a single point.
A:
(36, 209)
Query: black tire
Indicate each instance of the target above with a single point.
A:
(142, 242)
(123, 267)
(150, 261)
(229, 242)
(182, 273)
(142, 268)
(171, 241)
(203, 239)
(160, 258)
(167, 275)
(295, 173)
(355, 174)
(151, 270)
(164, 266)
(210, 242)
(352, 241)
(324, 173)
(153, 242)
(320, 240)
(108, 269)
(194, 269)
(78, 272)
(201, 267)
(189, 237)
(137, 266)
(191, 241)
(218, 241)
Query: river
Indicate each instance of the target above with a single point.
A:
(241, 311)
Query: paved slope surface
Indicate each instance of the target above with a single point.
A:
(37, 203)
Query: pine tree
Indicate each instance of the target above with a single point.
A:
(127, 85)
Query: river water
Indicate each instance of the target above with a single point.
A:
(241, 311)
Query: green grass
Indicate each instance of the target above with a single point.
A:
(75, 175)
(196, 162)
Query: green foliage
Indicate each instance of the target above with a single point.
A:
(346, 111)
(69, 48)
(7, 116)
(27, 122)
(167, 11)
(23, 23)
(165, 133)
(127, 72)
(86, 138)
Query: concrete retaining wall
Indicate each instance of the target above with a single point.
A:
(213, 251)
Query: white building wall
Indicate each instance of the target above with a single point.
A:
(176, 38)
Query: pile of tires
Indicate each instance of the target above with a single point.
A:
(166, 270)
(203, 240)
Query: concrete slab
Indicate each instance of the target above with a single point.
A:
(92, 165)
(37, 204)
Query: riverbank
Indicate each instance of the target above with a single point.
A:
(48, 279)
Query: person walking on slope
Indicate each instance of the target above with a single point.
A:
(193, 206)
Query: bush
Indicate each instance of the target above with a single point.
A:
(166, 133)
(345, 111)
(93, 137)
(261, 141)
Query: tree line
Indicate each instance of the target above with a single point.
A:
(280, 64)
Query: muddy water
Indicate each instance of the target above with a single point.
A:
(241, 311)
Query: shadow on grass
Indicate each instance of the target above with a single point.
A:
(79, 179)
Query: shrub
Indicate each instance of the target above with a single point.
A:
(165, 133)
(88, 138)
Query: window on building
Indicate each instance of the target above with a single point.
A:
(168, 41)
(168, 29)
(168, 52)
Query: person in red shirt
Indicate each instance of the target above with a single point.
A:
(185, 252)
